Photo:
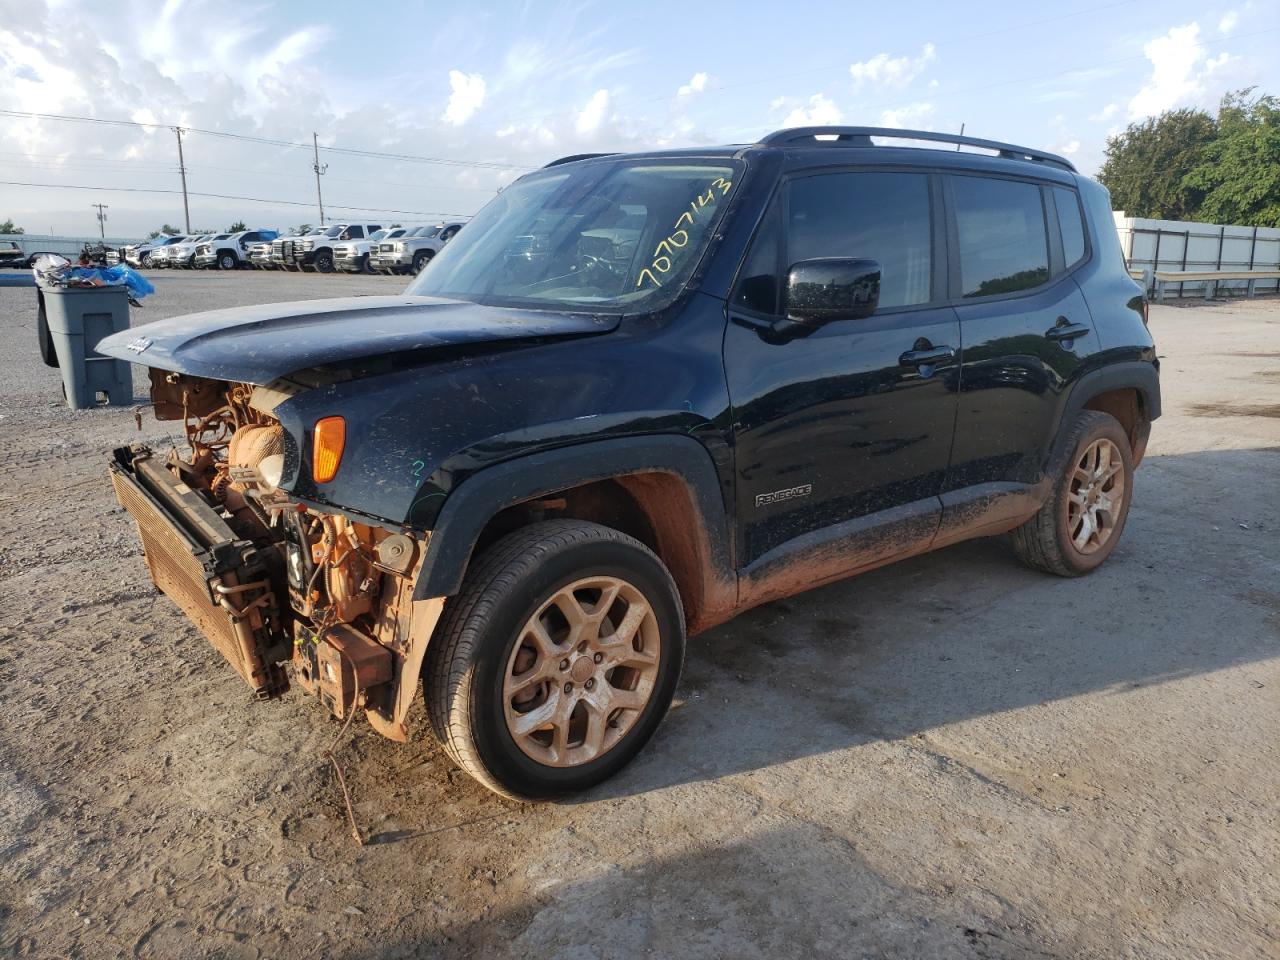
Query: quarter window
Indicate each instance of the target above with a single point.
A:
(877, 216)
(1070, 224)
(758, 283)
(1001, 232)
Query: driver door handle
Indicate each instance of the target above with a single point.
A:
(927, 355)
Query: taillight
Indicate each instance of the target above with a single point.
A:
(330, 438)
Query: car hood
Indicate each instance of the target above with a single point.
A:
(261, 344)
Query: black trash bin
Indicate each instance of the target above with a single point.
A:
(77, 318)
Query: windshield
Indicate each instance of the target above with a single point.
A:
(333, 231)
(619, 236)
(377, 235)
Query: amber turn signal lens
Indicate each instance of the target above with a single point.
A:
(330, 438)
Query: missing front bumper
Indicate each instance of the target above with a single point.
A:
(222, 583)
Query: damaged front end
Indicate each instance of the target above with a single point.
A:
(281, 589)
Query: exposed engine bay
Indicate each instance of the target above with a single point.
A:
(283, 590)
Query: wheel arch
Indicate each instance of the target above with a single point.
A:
(1128, 391)
(662, 490)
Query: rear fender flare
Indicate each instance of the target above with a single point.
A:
(1139, 375)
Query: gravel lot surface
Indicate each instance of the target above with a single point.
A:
(951, 757)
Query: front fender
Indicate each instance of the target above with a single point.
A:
(473, 503)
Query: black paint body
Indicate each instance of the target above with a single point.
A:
(891, 421)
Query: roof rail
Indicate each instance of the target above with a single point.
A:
(578, 156)
(861, 137)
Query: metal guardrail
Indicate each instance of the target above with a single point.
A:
(1157, 279)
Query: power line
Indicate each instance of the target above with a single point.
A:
(222, 196)
(350, 151)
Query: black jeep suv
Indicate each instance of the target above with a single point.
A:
(637, 395)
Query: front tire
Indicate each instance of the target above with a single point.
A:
(557, 660)
(1078, 526)
(420, 261)
(324, 261)
(227, 261)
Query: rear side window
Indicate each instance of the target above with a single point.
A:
(1001, 234)
(1070, 224)
(878, 216)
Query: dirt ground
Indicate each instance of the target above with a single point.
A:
(952, 757)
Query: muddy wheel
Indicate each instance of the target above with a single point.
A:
(557, 660)
(1080, 524)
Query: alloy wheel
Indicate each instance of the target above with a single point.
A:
(582, 671)
(1095, 497)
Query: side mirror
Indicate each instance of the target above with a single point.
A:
(832, 288)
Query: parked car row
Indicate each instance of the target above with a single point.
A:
(356, 247)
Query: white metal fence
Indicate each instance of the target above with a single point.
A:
(1178, 245)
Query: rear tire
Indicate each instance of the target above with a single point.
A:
(1078, 526)
(565, 622)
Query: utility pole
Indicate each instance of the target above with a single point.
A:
(182, 169)
(319, 168)
(102, 219)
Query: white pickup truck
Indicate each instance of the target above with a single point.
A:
(315, 251)
(414, 250)
(353, 255)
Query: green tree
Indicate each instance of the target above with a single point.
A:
(237, 227)
(1146, 165)
(302, 228)
(8, 226)
(168, 230)
(1239, 173)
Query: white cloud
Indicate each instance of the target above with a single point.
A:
(1068, 148)
(466, 99)
(820, 112)
(697, 83)
(1105, 114)
(1218, 62)
(1174, 79)
(914, 116)
(593, 114)
(883, 70)
(1228, 22)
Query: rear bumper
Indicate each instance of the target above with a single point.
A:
(229, 588)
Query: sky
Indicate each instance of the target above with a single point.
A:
(498, 88)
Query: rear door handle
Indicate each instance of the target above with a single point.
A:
(924, 356)
(1064, 330)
